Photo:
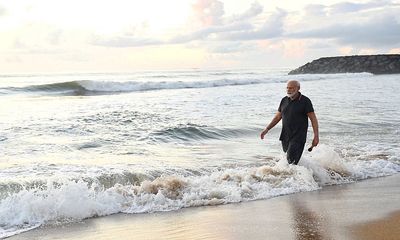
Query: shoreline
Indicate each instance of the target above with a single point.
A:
(349, 211)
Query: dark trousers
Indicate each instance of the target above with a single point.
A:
(293, 151)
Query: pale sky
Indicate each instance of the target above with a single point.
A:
(134, 35)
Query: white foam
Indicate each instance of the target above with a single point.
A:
(132, 86)
(180, 83)
(330, 168)
(72, 200)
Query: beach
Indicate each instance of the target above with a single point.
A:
(364, 210)
(166, 147)
(202, 119)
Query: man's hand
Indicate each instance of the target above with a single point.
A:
(264, 132)
(275, 120)
(315, 141)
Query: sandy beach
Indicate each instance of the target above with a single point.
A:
(182, 120)
(387, 228)
(364, 210)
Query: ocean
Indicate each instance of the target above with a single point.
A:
(77, 146)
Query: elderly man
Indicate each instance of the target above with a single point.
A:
(294, 110)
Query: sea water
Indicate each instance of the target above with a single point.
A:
(77, 146)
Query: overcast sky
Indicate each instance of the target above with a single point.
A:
(131, 35)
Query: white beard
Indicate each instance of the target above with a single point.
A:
(291, 95)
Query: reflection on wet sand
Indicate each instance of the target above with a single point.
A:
(306, 223)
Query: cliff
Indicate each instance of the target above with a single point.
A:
(376, 64)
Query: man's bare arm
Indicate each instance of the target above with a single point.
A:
(314, 123)
(275, 120)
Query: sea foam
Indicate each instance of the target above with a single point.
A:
(71, 200)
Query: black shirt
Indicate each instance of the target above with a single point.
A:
(294, 118)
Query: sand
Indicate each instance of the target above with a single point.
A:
(369, 209)
(387, 228)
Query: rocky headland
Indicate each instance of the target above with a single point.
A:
(375, 64)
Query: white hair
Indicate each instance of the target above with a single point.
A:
(295, 82)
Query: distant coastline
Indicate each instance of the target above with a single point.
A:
(375, 64)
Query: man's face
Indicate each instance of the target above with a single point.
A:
(292, 89)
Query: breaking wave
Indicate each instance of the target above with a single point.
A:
(27, 205)
(93, 87)
(100, 87)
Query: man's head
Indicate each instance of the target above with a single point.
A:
(292, 88)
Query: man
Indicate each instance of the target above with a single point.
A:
(294, 110)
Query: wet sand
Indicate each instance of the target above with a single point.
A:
(387, 228)
(365, 210)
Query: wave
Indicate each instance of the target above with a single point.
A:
(189, 132)
(92, 87)
(64, 88)
(74, 199)
(100, 87)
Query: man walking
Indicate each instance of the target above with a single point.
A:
(294, 110)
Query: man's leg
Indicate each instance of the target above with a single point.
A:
(285, 146)
(294, 152)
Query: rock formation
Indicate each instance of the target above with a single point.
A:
(376, 64)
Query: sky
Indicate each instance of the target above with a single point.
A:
(135, 35)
